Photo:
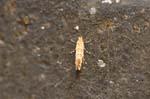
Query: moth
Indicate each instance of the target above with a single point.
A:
(79, 53)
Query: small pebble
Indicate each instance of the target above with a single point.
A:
(107, 1)
(59, 62)
(101, 63)
(117, 1)
(42, 77)
(92, 10)
(111, 82)
(76, 27)
(42, 27)
(137, 80)
(115, 18)
(61, 9)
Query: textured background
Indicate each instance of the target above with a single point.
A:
(35, 46)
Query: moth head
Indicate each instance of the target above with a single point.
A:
(80, 38)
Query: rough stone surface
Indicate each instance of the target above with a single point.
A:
(36, 63)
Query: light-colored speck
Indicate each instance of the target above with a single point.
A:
(61, 9)
(107, 1)
(115, 18)
(42, 77)
(76, 27)
(137, 80)
(101, 63)
(42, 27)
(92, 10)
(111, 82)
(59, 62)
(117, 1)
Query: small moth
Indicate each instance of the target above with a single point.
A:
(79, 54)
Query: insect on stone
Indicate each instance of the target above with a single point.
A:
(79, 55)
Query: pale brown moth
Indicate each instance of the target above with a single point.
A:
(79, 54)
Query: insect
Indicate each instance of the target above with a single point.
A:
(79, 54)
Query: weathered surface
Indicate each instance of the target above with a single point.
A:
(35, 59)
